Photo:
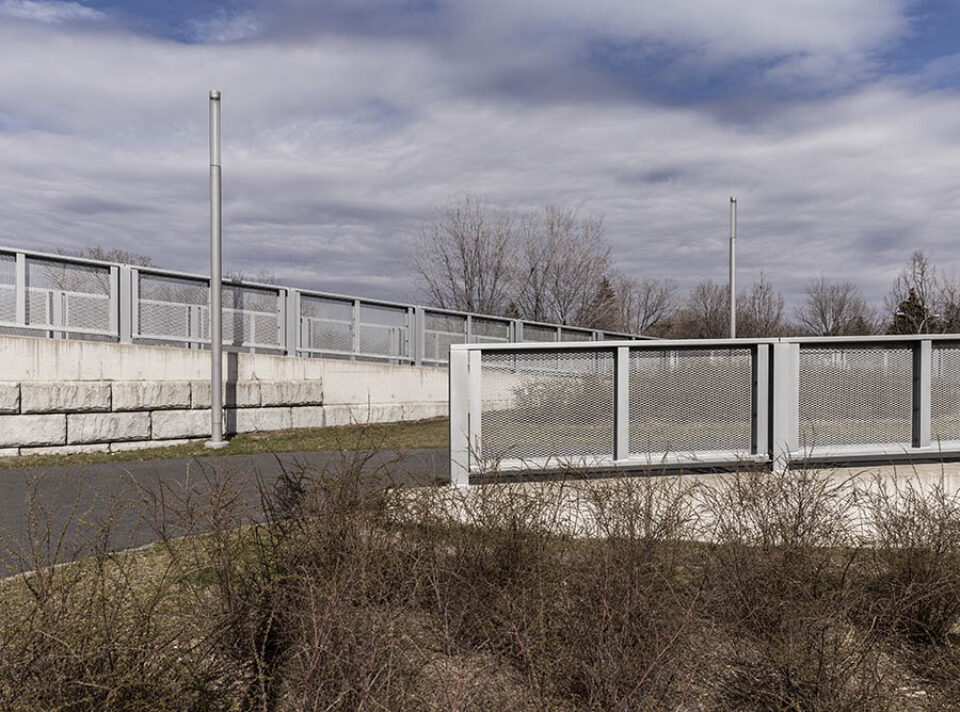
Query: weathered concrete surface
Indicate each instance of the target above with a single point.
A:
(261, 392)
(64, 397)
(9, 397)
(107, 427)
(171, 424)
(26, 431)
(257, 420)
(291, 393)
(151, 395)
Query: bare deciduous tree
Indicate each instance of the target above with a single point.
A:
(705, 313)
(922, 301)
(647, 306)
(466, 257)
(760, 311)
(834, 309)
(563, 259)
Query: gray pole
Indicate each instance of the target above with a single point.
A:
(216, 314)
(733, 268)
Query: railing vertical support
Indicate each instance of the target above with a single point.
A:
(922, 361)
(292, 332)
(760, 406)
(517, 331)
(58, 312)
(355, 328)
(134, 303)
(469, 329)
(114, 315)
(459, 417)
(474, 366)
(124, 304)
(786, 403)
(20, 279)
(621, 404)
(419, 335)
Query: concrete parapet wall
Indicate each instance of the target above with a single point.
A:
(75, 396)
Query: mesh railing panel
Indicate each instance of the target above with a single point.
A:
(8, 286)
(684, 401)
(174, 308)
(534, 333)
(440, 331)
(489, 331)
(254, 317)
(383, 330)
(945, 392)
(855, 396)
(66, 295)
(532, 410)
(575, 335)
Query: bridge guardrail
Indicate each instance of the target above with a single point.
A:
(515, 407)
(60, 296)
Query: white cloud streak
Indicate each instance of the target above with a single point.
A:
(335, 148)
(48, 11)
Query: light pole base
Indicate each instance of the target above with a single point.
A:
(216, 444)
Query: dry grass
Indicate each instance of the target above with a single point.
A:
(391, 436)
(760, 595)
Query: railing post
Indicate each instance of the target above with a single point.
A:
(760, 419)
(355, 329)
(124, 297)
(476, 401)
(57, 313)
(459, 384)
(469, 329)
(922, 361)
(20, 280)
(786, 403)
(134, 303)
(292, 320)
(621, 404)
(517, 331)
(419, 335)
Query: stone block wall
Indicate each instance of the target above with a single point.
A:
(113, 403)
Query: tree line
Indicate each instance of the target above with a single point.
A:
(554, 265)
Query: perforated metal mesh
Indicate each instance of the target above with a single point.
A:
(535, 333)
(8, 283)
(173, 308)
(489, 331)
(945, 392)
(63, 294)
(855, 396)
(440, 331)
(575, 335)
(684, 401)
(326, 324)
(383, 330)
(533, 410)
(251, 317)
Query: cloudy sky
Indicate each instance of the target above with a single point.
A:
(347, 122)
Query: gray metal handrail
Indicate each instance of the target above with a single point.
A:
(776, 401)
(138, 304)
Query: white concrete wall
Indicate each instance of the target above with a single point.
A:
(65, 396)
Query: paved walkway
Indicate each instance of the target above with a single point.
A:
(61, 508)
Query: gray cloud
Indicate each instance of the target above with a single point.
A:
(339, 140)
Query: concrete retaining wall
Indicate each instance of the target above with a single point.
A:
(70, 396)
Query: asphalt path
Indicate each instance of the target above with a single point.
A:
(55, 514)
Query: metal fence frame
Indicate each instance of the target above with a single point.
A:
(777, 437)
(295, 332)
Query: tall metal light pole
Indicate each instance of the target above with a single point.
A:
(733, 268)
(216, 313)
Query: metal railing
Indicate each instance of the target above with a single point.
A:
(771, 401)
(70, 297)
